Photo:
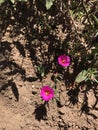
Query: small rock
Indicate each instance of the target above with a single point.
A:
(62, 101)
(94, 113)
(33, 86)
(12, 18)
(10, 97)
(62, 110)
(63, 88)
(76, 127)
(91, 98)
(23, 113)
(96, 106)
(28, 121)
(81, 97)
(21, 126)
(34, 92)
(2, 92)
(63, 98)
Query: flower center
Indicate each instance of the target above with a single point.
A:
(63, 60)
(47, 93)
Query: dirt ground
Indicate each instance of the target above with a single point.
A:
(21, 107)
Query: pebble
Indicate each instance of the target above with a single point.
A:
(33, 86)
(63, 98)
(62, 110)
(28, 121)
(91, 98)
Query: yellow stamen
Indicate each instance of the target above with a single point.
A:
(63, 61)
(47, 93)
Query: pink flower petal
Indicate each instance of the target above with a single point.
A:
(64, 60)
(47, 93)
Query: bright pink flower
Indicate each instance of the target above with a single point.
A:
(47, 93)
(64, 60)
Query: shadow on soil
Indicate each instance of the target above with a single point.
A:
(40, 112)
(13, 88)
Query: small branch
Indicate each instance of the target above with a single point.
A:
(73, 21)
(87, 15)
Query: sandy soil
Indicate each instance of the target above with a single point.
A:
(23, 48)
(22, 108)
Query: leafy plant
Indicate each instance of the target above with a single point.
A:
(81, 76)
(96, 19)
(49, 3)
(85, 75)
(2, 1)
(41, 70)
(13, 1)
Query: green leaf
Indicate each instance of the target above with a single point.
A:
(41, 70)
(96, 19)
(13, 1)
(95, 80)
(81, 76)
(49, 3)
(2, 1)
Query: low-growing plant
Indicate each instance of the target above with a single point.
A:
(41, 70)
(91, 74)
(49, 3)
(12, 1)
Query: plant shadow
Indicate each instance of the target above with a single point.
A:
(40, 112)
(14, 88)
(73, 95)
